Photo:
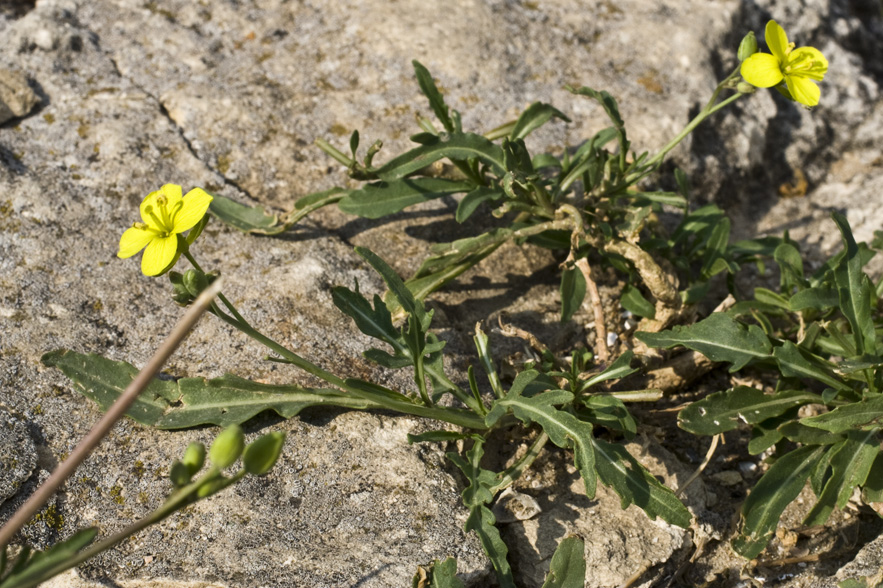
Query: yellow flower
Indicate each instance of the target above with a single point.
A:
(165, 214)
(799, 68)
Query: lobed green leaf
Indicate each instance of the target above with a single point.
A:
(719, 337)
(722, 411)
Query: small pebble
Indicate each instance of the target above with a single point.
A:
(726, 478)
(747, 468)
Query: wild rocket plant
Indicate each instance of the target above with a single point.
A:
(593, 206)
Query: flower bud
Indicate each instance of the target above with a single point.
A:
(194, 457)
(179, 291)
(747, 47)
(179, 474)
(745, 88)
(227, 447)
(195, 281)
(261, 455)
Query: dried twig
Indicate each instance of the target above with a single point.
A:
(714, 441)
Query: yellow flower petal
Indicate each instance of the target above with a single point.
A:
(195, 206)
(133, 241)
(803, 90)
(160, 253)
(762, 70)
(808, 62)
(172, 192)
(150, 202)
(777, 41)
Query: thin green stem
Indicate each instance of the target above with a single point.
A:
(284, 352)
(710, 108)
(507, 477)
(334, 152)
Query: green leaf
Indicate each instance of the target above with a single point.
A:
(716, 246)
(474, 199)
(573, 292)
(436, 100)
(535, 116)
(865, 415)
(373, 321)
(633, 301)
(104, 380)
(819, 298)
(635, 485)
(191, 401)
(481, 520)
(444, 574)
(800, 433)
(718, 337)
(851, 462)
(608, 102)
(773, 492)
(616, 370)
(873, 489)
(380, 199)
(722, 411)
(856, 290)
(568, 568)
(564, 429)
(42, 566)
(796, 364)
(609, 411)
(248, 219)
(455, 146)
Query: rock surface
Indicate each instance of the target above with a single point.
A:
(231, 96)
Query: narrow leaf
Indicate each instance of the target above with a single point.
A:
(796, 364)
(633, 301)
(865, 415)
(471, 201)
(380, 199)
(855, 289)
(635, 485)
(455, 146)
(248, 219)
(772, 493)
(616, 370)
(535, 116)
(573, 292)
(436, 100)
(851, 462)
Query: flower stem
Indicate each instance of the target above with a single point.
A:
(710, 108)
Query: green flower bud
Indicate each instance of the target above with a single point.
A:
(747, 47)
(261, 454)
(195, 281)
(179, 291)
(745, 88)
(179, 474)
(227, 447)
(194, 457)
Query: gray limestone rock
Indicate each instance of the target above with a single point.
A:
(18, 455)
